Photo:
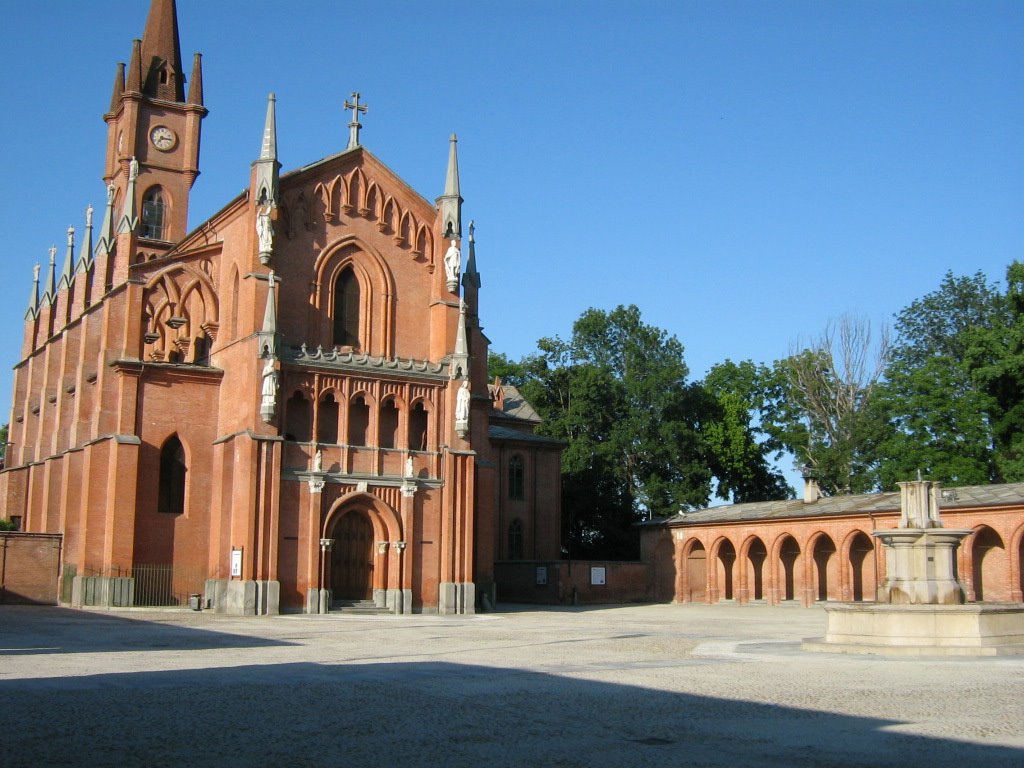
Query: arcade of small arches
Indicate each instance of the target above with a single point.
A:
(709, 567)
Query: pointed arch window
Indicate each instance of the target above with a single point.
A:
(515, 540)
(515, 478)
(173, 470)
(387, 424)
(418, 428)
(153, 214)
(346, 309)
(358, 421)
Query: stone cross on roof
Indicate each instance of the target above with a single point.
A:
(354, 126)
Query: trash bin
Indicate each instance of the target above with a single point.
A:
(195, 602)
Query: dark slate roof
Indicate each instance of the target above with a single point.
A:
(506, 433)
(514, 405)
(952, 498)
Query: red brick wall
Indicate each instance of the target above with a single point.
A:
(625, 582)
(29, 564)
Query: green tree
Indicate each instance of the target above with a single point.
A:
(617, 394)
(740, 452)
(938, 413)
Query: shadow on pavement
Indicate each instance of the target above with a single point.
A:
(432, 714)
(27, 630)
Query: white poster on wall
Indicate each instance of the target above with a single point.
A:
(597, 575)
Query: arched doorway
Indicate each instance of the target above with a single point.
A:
(756, 555)
(726, 560)
(824, 549)
(862, 568)
(789, 554)
(352, 557)
(696, 574)
(988, 555)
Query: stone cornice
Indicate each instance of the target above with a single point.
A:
(358, 363)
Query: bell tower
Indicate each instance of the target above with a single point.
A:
(152, 121)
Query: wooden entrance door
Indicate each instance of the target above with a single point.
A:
(352, 558)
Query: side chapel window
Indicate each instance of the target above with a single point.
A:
(153, 210)
(346, 310)
(515, 540)
(171, 498)
(515, 478)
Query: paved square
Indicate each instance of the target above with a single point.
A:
(618, 686)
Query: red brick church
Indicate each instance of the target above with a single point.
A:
(286, 405)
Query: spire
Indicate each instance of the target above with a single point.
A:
(85, 260)
(268, 335)
(161, 53)
(33, 298)
(195, 86)
(49, 292)
(67, 274)
(115, 97)
(106, 241)
(451, 200)
(134, 84)
(267, 167)
(128, 218)
(268, 150)
(470, 276)
(460, 358)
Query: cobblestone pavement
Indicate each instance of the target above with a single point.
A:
(619, 686)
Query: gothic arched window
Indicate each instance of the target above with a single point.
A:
(171, 498)
(346, 310)
(387, 425)
(418, 428)
(153, 214)
(515, 540)
(515, 478)
(358, 421)
(298, 418)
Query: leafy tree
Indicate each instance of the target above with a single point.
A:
(937, 412)
(740, 452)
(616, 393)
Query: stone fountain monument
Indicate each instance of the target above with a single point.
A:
(920, 609)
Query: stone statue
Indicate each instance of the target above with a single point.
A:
(452, 264)
(265, 230)
(462, 403)
(318, 461)
(133, 169)
(269, 391)
(409, 469)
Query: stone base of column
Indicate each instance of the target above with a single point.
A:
(456, 597)
(105, 591)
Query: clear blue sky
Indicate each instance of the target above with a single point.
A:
(742, 171)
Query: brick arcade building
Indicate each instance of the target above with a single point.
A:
(290, 400)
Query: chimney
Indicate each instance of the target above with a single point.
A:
(812, 491)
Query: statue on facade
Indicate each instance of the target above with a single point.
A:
(265, 233)
(269, 391)
(452, 266)
(318, 461)
(462, 408)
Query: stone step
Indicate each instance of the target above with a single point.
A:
(359, 607)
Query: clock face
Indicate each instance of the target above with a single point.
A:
(163, 138)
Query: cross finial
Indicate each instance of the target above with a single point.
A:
(354, 126)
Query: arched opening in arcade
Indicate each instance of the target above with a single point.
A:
(988, 565)
(696, 573)
(726, 561)
(863, 582)
(789, 557)
(757, 553)
(824, 555)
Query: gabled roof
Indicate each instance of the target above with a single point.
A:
(965, 497)
(513, 404)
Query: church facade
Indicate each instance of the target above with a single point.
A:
(290, 400)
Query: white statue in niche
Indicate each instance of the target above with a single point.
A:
(318, 461)
(462, 404)
(265, 230)
(269, 391)
(410, 471)
(452, 265)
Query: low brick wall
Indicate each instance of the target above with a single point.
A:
(29, 564)
(563, 582)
